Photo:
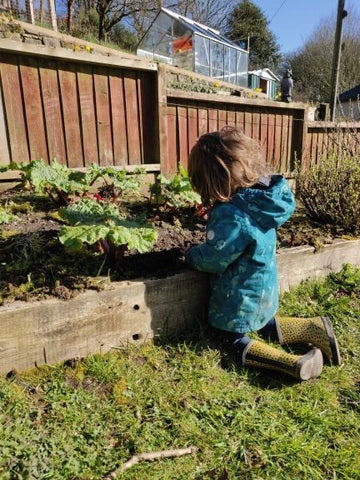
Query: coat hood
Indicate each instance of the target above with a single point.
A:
(269, 205)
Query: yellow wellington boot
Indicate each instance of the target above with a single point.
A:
(318, 331)
(302, 367)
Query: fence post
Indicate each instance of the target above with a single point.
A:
(165, 167)
(299, 140)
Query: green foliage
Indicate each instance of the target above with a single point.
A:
(6, 217)
(248, 20)
(330, 191)
(115, 182)
(176, 192)
(55, 180)
(194, 86)
(95, 414)
(94, 222)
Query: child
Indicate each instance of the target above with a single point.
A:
(227, 170)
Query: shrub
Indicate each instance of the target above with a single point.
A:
(330, 192)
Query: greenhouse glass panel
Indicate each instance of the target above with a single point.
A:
(242, 68)
(226, 64)
(232, 65)
(217, 60)
(202, 55)
(157, 42)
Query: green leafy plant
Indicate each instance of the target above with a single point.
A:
(5, 216)
(101, 224)
(176, 192)
(56, 181)
(330, 191)
(115, 182)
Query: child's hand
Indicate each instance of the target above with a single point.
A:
(202, 211)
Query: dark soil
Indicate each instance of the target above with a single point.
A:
(34, 265)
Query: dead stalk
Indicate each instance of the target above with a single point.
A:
(177, 452)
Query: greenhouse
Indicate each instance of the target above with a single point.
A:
(184, 43)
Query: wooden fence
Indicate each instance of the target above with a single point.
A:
(278, 128)
(77, 113)
(117, 110)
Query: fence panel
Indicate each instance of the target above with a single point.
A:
(276, 128)
(324, 138)
(77, 113)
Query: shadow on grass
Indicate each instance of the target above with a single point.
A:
(204, 337)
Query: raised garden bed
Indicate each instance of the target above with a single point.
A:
(70, 305)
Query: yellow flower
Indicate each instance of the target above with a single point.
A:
(77, 48)
(88, 48)
(217, 84)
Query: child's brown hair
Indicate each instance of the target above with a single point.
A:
(221, 162)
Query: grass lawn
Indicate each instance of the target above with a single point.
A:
(84, 419)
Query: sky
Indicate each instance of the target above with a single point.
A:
(293, 21)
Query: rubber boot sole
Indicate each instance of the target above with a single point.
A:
(310, 365)
(336, 358)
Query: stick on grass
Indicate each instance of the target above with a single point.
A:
(178, 452)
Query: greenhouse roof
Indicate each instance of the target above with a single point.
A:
(201, 29)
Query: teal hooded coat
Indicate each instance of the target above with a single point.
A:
(240, 255)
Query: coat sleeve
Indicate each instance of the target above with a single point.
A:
(227, 237)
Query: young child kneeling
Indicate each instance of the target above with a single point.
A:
(247, 205)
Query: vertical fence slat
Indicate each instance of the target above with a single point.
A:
(14, 111)
(256, 125)
(69, 98)
(52, 111)
(277, 142)
(171, 137)
(132, 118)
(88, 115)
(239, 120)
(248, 123)
(264, 134)
(270, 142)
(290, 142)
(4, 150)
(183, 136)
(118, 119)
(33, 109)
(231, 118)
(203, 121)
(222, 118)
(192, 127)
(213, 120)
(147, 102)
(283, 144)
(103, 116)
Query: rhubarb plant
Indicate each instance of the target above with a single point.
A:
(115, 182)
(101, 224)
(55, 180)
(175, 192)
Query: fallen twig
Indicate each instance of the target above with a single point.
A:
(177, 452)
